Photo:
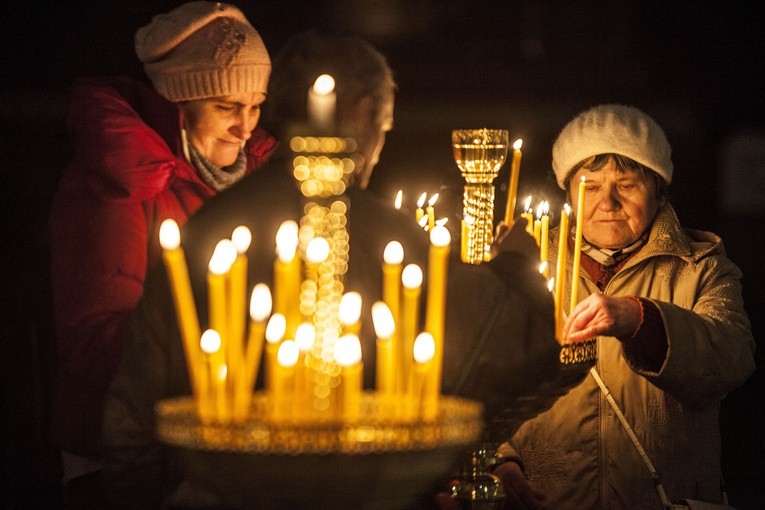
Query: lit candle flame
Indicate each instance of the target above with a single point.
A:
(442, 221)
(324, 84)
(411, 276)
(424, 347)
(551, 284)
(169, 235)
(276, 327)
(350, 308)
(210, 341)
(527, 204)
(399, 199)
(393, 253)
(432, 200)
(543, 267)
(440, 236)
(382, 318)
(518, 144)
(347, 350)
(421, 200)
(223, 256)
(288, 354)
(305, 336)
(317, 250)
(287, 240)
(260, 302)
(241, 237)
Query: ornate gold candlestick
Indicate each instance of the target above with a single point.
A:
(479, 154)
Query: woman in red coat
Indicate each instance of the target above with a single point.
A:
(142, 154)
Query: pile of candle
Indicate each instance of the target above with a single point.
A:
(225, 359)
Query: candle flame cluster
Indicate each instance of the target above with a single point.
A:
(224, 360)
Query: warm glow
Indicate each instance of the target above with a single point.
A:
(411, 276)
(527, 203)
(210, 341)
(288, 353)
(421, 200)
(543, 267)
(432, 200)
(443, 221)
(394, 253)
(424, 347)
(551, 284)
(260, 302)
(317, 250)
(440, 236)
(241, 237)
(223, 256)
(350, 308)
(382, 318)
(305, 335)
(399, 199)
(423, 222)
(169, 235)
(275, 328)
(541, 209)
(567, 208)
(324, 84)
(517, 144)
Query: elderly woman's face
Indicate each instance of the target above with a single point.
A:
(218, 127)
(618, 207)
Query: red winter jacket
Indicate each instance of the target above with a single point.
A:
(128, 175)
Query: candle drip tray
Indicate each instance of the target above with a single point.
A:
(581, 352)
(375, 462)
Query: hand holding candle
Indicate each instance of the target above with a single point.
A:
(512, 190)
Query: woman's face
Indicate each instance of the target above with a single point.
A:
(618, 207)
(218, 127)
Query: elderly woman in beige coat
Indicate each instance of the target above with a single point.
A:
(664, 305)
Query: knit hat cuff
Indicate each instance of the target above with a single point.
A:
(211, 83)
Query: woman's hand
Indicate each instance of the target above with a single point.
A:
(602, 315)
(520, 495)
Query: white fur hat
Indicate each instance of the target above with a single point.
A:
(203, 49)
(612, 129)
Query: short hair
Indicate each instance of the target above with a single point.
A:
(622, 164)
(358, 68)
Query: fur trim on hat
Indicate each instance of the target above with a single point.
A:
(203, 49)
(612, 129)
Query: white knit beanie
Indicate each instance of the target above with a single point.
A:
(612, 129)
(203, 49)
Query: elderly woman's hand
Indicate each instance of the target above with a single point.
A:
(514, 239)
(602, 315)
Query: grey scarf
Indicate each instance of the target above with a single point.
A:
(216, 177)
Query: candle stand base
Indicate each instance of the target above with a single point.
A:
(372, 463)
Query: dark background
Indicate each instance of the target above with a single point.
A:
(524, 66)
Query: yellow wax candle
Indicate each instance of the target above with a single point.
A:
(528, 215)
(349, 313)
(275, 330)
(438, 264)
(422, 404)
(322, 101)
(544, 238)
(538, 223)
(512, 190)
(260, 309)
(465, 225)
(284, 380)
(188, 321)
(393, 257)
(210, 344)
(577, 245)
(237, 292)
(384, 325)
(347, 353)
(420, 212)
(411, 279)
(305, 336)
(431, 211)
(218, 268)
(560, 273)
(287, 275)
(398, 200)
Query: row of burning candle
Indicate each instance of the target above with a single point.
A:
(224, 361)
